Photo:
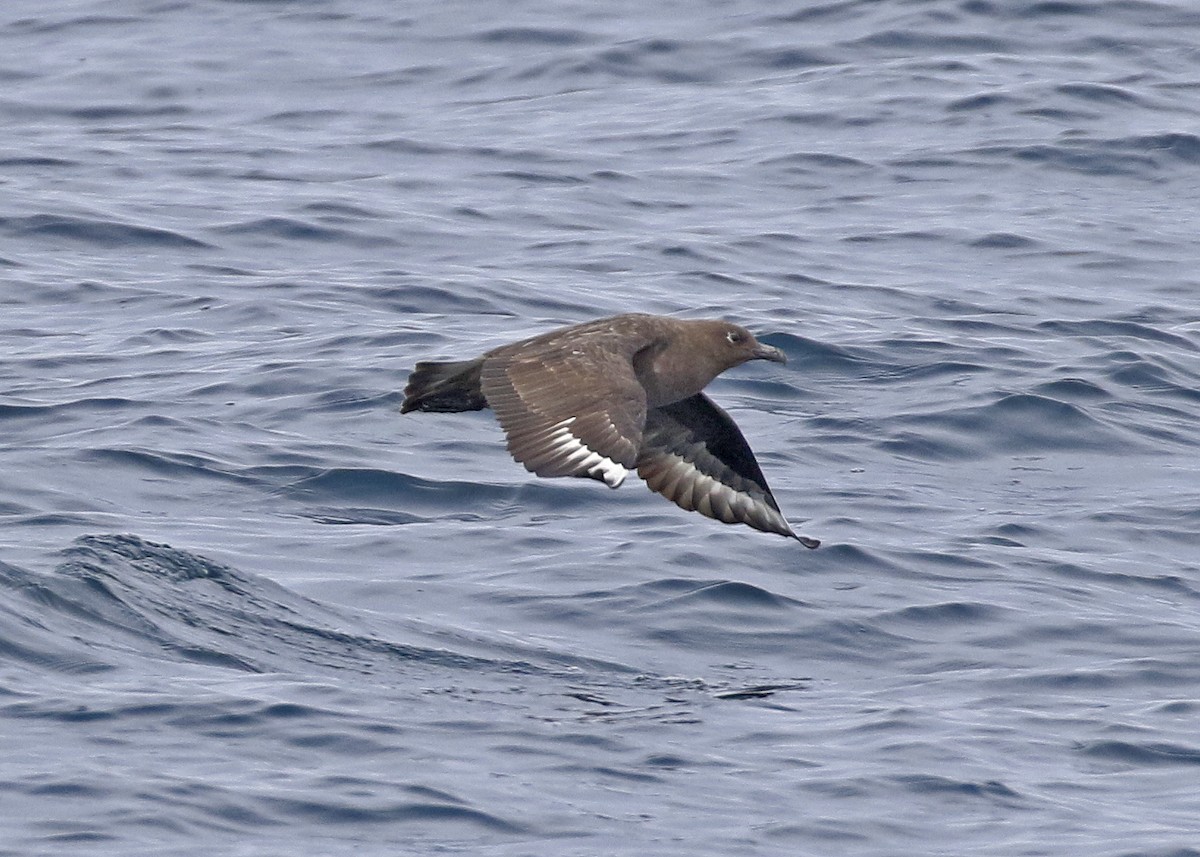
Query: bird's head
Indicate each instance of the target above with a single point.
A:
(736, 345)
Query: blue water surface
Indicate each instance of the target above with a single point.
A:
(247, 608)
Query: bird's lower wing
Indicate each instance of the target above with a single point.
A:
(695, 455)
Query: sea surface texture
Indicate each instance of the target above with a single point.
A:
(247, 608)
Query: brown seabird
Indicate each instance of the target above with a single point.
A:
(617, 394)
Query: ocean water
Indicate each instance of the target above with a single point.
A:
(247, 608)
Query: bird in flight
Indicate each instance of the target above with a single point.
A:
(615, 395)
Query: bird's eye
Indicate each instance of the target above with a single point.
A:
(734, 337)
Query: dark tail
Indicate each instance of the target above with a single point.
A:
(444, 387)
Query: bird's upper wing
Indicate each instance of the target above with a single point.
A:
(569, 406)
(694, 455)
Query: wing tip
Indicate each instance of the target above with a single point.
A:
(609, 472)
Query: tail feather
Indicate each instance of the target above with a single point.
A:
(444, 387)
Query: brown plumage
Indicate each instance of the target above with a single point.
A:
(617, 394)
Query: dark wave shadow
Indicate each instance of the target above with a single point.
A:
(119, 601)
